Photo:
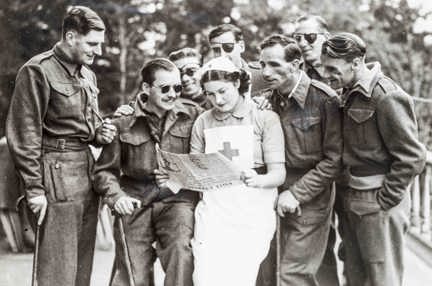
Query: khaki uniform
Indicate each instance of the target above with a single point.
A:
(311, 121)
(381, 155)
(50, 123)
(126, 167)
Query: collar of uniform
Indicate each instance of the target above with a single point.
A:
(364, 84)
(314, 71)
(300, 90)
(240, 110)
(65, 61)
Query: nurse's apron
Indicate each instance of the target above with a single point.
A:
(233, 225)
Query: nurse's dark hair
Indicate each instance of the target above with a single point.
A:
(291, 49)
(345, 46)
(242, 76)
(151, 67)
(82, 20)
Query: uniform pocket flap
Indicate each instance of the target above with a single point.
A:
(361, 207)
(360, 115)
(135, 138)
(305, 123)
(181, 130)
(67, 89)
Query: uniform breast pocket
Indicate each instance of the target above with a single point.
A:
(362, 129)
(66, 100)
(179, 138)
(136, 149)
(308, 133)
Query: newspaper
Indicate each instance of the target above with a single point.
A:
(198, 172)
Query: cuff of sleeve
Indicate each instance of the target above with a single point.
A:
(384, 202)
(34, 192)
(112, 198)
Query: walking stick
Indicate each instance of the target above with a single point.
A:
(126, 252)
(35, 257)
(278, 250)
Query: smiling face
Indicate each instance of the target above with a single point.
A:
(275, 69)
(338, 72)
(222, 94)
(84, 48)
(190, 76)
(310, 38)
(164, 90)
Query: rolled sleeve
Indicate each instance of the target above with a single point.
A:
(273, 143)
(398, 128)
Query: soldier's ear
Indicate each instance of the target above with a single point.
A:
(242, 45)
(145, 87)
(356, 63)
(70, 37)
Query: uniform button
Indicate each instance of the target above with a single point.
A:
(57, 165)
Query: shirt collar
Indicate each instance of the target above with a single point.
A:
(365, 84)
(300, 90)
(65, 61)
(314, 71)
(241, 109)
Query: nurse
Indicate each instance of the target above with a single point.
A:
(234, 225)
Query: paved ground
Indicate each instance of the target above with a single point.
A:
(16, 269)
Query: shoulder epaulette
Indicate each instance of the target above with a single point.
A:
(387, 84)
(187, 102)
(41, 57)
(324, 87)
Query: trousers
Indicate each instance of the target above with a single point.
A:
(170, 225)
(374, 239)
(68, 233)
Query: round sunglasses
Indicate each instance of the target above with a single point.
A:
(226, 47)
(166, 88)
(309, 37)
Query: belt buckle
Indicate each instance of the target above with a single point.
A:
(61, 144)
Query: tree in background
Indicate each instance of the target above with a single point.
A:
(138, 30)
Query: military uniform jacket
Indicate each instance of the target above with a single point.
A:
(53, 98)
(311, 121)
(380, 135)
(126, 165)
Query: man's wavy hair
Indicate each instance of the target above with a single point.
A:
(185, 53)
(82, 20)
(345, 46)
(291, 49)
(151, 67)
(242, 76)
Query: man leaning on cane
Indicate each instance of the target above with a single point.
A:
(53, 117)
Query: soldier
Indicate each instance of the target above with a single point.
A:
(381, 156)
(310, 118)
(189, 61)
(310, 33)
(125, 174)
(227, 40)
(53, 117)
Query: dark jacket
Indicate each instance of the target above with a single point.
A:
(53, 98)
(380, 135)
(313, 141)
(127, 164)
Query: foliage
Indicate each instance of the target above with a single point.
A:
(141, 29)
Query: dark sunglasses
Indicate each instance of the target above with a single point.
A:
(188, 71)
(310, 37)
(166, 88)
(227, 47)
